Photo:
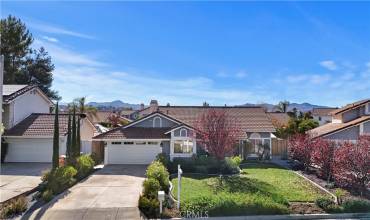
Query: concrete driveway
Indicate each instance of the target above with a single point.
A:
(17, 178)
(110, 193)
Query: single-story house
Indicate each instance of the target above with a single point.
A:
(170, 130)
(347, 123)
(322, 115)
(31, 140)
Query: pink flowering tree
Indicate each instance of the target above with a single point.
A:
(352, 164)
(217, 132)
(323, 157)
(300, 148)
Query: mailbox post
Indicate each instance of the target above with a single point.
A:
(179, 172)
(161, 199)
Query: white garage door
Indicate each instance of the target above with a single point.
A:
(31, 150)
(133, 153)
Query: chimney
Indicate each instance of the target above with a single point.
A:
(153, 105)
(141, 106)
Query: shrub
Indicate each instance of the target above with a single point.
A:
(97, 159)
(164, 159)
(324, 203)
(229, 166)
(47, 195)
(339, 193)
(151, 188)
(356, 206)
(84, 166)
(300, 148)
(237, 160)
(351, 164)
(61, 179)
(150, 207)
(156, 170)
(323, 157)
(14, 207)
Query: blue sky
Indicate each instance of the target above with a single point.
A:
(187, 53)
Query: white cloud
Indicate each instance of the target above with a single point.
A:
(47, 28)
(63, 55)
(51, 39)
(329, 64)
(241, 74)
(319, 79)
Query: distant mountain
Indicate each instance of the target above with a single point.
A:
(303, 107)
(114, 104)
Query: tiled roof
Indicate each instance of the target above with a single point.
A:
(135, 133)
(247, 119)
(39, 124)
(11, 92)
(350, 106)
(279, 119)
(323, 111)
(333, 127)
(99, 116)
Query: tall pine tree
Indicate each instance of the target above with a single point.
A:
(56, 139)
(23, 64)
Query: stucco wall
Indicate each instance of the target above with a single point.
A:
(28, 103)
(87, 130)
(6, 115)
(149, 123)
(347, 134)
(350, 115)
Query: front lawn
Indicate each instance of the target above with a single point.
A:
(265, 189)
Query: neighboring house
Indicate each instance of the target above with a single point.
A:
(322, 115)
(31, 140)
(348, 122)
(170, 130)
(279, 119)
(19, 101)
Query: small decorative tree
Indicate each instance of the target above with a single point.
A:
(55, 158)
(217, 132)
(352, 164)
(323, 157)
(69, 152)
(300, 149)
(74, 136)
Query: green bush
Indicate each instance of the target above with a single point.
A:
(229, 166)
(14, 207)
(61, 179)
(356, 206)
(151, 187)
(158, 171)
(237, 160)
(324, 203)
(47, 195)
(97, 160)
(84, 166)
(164, 159)
(150, 207)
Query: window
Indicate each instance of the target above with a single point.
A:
(183, 146)
(183, 132)
(319, 118)
(116, 142)
(255, 145)
(128, 142)
(157, 122)
(152, 143)
(140, 143)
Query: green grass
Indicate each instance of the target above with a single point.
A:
(265, 189)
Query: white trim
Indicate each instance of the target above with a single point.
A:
(186, 132)
(160, 121)
(180, 127)
(361, 128)
(145, 118)
(367, 109)
(39, 91)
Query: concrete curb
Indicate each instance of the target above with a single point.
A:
(296, 216)
(318, 186)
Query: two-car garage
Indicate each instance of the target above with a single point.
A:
(131, 152)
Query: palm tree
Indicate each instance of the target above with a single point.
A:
(83, 108)
(283, 106)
